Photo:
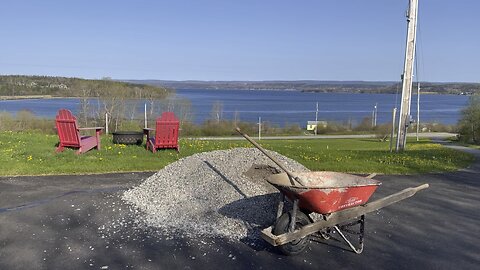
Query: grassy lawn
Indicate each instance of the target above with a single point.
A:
(33, 154)
(370, 155)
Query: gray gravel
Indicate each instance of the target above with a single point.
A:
(209, 194)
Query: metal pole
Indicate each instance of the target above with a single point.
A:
(259, 128)
(394, 113)
(418, 108)
(375, 116)
(407, 75)
(316, 120)
(145, 113)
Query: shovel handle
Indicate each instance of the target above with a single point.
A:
(290, 174)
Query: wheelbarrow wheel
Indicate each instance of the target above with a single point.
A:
(282, 225)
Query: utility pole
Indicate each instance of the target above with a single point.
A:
(418, 106)
(407, 75)
(316, 120)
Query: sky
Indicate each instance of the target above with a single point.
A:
(238, 40)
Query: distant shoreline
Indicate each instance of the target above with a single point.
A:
(322, 92)
(26, 97)
(349, 87)
(29, 97)
(33, 97)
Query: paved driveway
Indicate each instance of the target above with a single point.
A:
(79, 222)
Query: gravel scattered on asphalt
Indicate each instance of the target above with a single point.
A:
(210, 194)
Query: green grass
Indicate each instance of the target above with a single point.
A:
(26, 153)
(369, 156)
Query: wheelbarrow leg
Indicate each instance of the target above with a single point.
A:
(291, 228)
(361, 221)
(280, 205)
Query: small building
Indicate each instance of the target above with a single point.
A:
(311, 125)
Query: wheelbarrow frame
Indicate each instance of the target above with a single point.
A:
(333, 220)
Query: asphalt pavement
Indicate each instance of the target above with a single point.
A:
(80, 222)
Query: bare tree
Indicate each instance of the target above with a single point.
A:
(84, 106)
(236, 118)
(217, 111)
(184, 110)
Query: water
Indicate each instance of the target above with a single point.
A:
(277, 107)
(281, 107)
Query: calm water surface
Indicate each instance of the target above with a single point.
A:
(278, 107)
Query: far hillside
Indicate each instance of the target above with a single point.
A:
(19, 85)
(321, 86)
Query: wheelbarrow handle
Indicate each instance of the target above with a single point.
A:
(290, 174)
(424, 186)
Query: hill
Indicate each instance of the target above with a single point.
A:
(318, 86)
(18, 85)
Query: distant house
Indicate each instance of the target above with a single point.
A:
(311, 125)
(61, 86)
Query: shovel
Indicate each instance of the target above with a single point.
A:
(293, 178)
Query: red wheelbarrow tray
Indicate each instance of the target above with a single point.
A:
(325, 192)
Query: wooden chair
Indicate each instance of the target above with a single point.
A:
(69, 133)
(166, 133)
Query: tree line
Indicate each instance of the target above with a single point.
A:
(19, 85)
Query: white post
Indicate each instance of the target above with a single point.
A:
(259, 128)
(316, 120)
(106, 123)
(375, 116)
(145, 111)
(393, 128)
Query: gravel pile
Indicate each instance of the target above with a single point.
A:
(218, 194)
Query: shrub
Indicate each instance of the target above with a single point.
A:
(469, 124)
(26, 121)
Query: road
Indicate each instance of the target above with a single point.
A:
(79, 222)
(441, 135)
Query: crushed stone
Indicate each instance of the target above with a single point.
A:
(221, 193)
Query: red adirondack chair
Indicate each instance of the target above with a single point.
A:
(166, 133)
(69, 133)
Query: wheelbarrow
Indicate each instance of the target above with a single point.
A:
(340, 201)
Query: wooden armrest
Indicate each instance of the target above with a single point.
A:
(90, 128)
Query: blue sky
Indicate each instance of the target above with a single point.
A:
(238, 40)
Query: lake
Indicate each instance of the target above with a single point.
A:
(277, 107)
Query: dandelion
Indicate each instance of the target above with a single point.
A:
(29, 158)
